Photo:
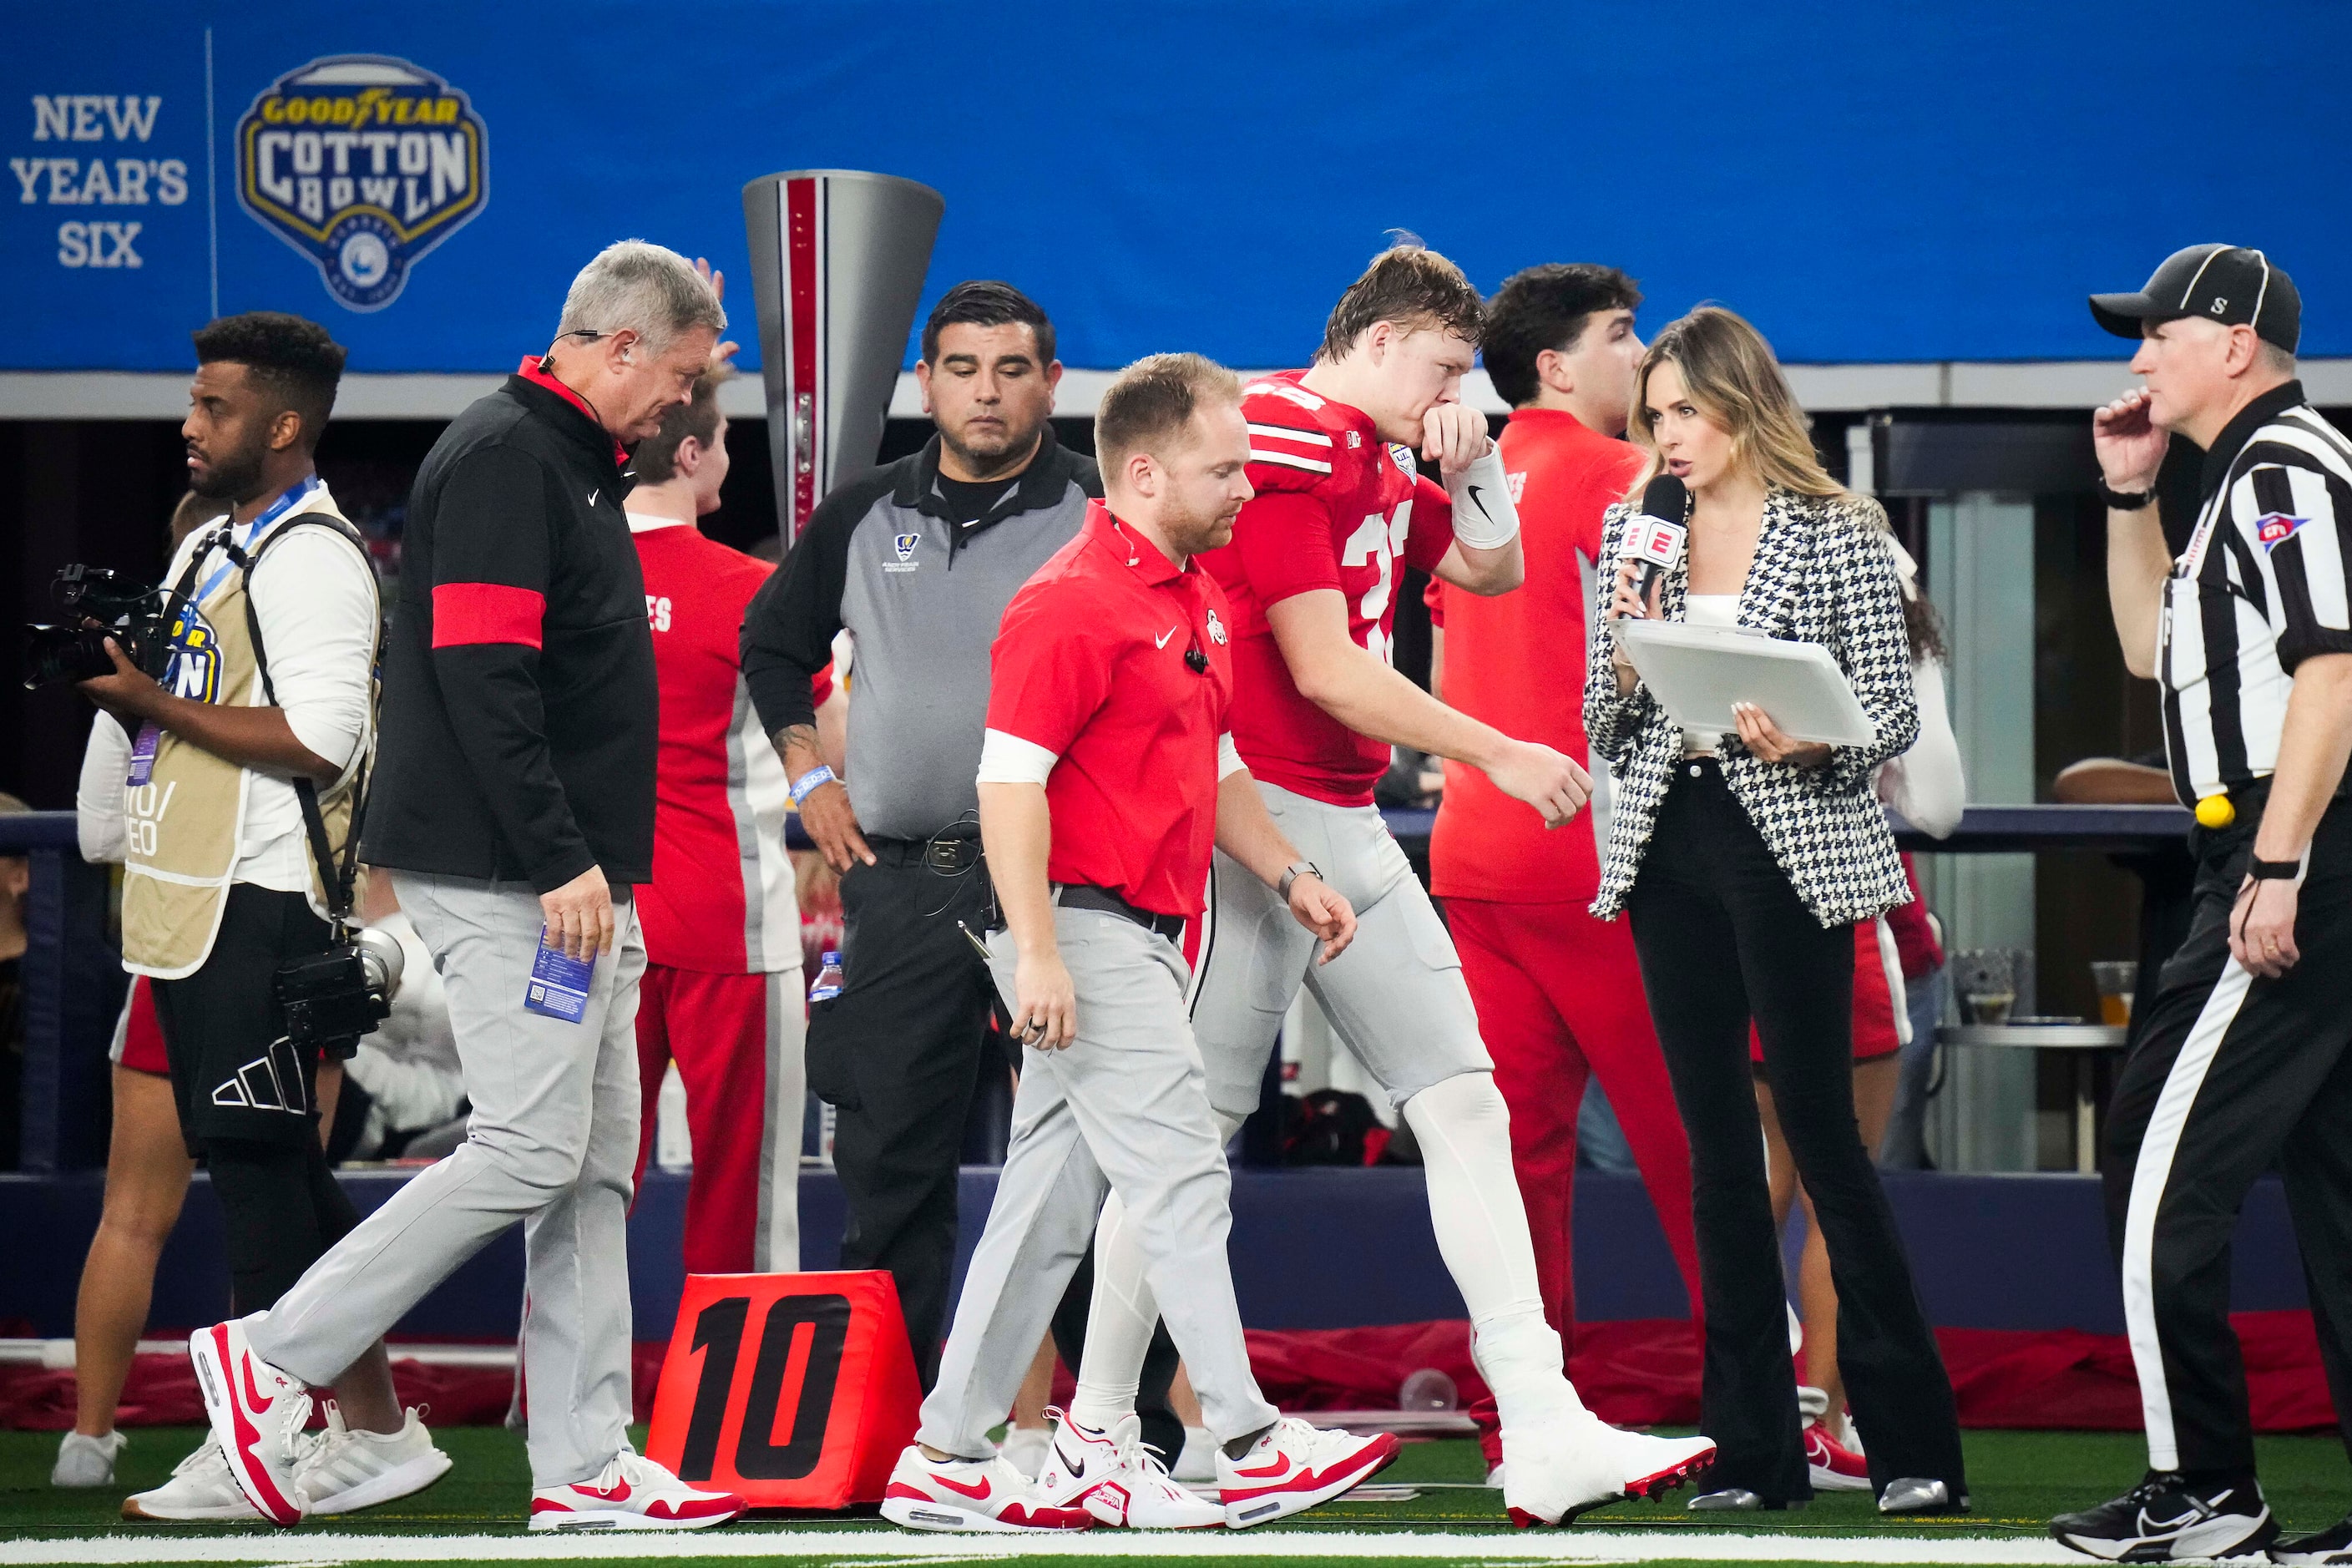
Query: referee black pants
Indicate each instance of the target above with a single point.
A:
(1723, 938)
(896, 1055)
(2228, 1075)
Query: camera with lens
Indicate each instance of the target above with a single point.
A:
(135, 614)
(332, 998)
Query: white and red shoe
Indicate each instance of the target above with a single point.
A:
(1117, 1480)
(1294, 1466)
(1835, 1467)
(984, 1495)
(257, 1413)
(1555, 1472)
(632, 1493)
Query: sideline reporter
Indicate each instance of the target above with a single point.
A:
(515, 800)
(1768, 849)
(2241, 1047)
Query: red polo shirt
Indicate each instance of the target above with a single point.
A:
(1516, 661)
(1091, 664)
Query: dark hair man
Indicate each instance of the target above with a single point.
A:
(2238, 1047)
(1311, 571)
(1559, 994)
(269, 692)
(722, 995)
(515, 802)
(916, 560)
(1106, 774)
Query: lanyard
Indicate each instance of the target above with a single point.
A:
(295, 496)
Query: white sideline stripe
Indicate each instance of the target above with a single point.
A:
(899, 1546)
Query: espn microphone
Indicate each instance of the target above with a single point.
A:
(1655, 537)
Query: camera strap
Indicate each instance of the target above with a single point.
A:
(336, 880)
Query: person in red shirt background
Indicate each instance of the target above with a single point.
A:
(722, 995)
(1559, 993)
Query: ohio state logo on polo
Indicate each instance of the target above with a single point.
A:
(365, 164)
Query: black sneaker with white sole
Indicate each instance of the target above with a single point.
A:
(2329, 1546)
(2165, 1520)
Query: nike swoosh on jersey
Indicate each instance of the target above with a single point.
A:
(1162, 640)
(595, 493)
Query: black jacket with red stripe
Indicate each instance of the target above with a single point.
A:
(520, 710)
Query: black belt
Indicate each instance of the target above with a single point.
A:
(1083, 896)
(948, 855)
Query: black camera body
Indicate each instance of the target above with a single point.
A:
(135, 614)
(332, 998)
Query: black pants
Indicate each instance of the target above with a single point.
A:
(897, 1054)
(2229, 1074)
(1722, 938)
(247, 1096)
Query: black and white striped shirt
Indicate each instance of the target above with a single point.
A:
(2265, 583)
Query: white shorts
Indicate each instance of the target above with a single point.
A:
(1396, 996)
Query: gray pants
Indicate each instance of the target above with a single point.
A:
(552, 1142)
(1123, 1106)
(1396, 996)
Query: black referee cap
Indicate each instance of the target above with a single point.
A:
(2227, 283)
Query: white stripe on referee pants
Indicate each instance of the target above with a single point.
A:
(2150, 1177)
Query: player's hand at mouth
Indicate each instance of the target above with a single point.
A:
(1454, 436)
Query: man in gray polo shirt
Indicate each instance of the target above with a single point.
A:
(917, 560)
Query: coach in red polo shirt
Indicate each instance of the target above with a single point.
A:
(1106, 777)
(1559, 994)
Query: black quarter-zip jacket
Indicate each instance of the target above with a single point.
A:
(520, 718)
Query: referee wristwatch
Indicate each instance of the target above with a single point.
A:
(1292, 872)
(2125, 500)
(2261, 870)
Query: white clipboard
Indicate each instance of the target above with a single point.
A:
(1696, 673)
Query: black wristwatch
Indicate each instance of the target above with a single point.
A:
(2274, 871)
(2125, 500)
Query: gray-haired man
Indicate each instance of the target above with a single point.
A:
(514, 799)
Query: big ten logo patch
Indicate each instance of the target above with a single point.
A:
(791, 1390)
(121, 171)
(144, 807)
(364, 164)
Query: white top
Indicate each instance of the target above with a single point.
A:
(1707, 610)
(98, 799)
(1925, 783)
(316, 605)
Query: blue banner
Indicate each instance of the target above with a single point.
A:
(1867, 181)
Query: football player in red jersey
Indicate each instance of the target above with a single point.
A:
(1340, 506)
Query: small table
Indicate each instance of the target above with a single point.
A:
(2081, 1038)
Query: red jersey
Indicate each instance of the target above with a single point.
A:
(1121, 666)
(1336, 508)
(722, 899)
(1516, 661)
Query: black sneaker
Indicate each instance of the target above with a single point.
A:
(2333, 1545)
(2165, 1520)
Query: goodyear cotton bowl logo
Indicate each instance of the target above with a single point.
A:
(364, 164)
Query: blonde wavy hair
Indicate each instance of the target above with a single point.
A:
(1734, 381)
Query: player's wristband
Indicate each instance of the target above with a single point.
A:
(1484, 517)
(809, 782)
(1292, 872)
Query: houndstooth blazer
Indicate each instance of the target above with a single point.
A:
(1821, 575)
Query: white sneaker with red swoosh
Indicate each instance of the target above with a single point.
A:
(631, 1493)
(257, 1413)
(986, 1495)
(1294, 1466)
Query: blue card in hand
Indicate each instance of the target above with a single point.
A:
(559, 983)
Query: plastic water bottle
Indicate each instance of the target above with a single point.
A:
(827, 984)
(1428, 1392)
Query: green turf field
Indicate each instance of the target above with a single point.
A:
(2018, 1479)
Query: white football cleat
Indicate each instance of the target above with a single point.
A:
(1119, 1481)
(984, 1495)
(346, 1470)
(1027, 1450)
(1198, 1462)
(257, 1413)
(1293, 1467)
(86, 1461)
(631, 1493)
(1554, 1472)
(200, 1488)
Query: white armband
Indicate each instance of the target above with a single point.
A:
(1009, 759)
(1484, 517)
(1229, 758)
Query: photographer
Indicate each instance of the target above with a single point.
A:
(264, 700)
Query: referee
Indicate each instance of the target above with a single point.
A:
(2239, 1053)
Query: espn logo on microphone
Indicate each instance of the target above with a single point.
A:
(1654, 540)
